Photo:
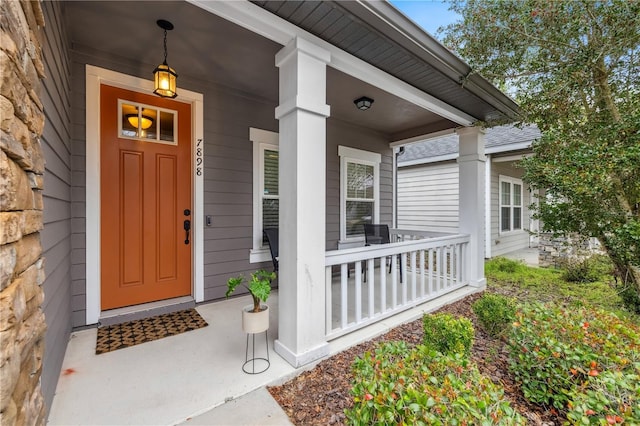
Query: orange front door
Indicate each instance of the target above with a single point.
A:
(145, 189)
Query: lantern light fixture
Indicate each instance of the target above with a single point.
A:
(363, 103)
(164, 76)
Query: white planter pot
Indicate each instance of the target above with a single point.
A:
(255, 322)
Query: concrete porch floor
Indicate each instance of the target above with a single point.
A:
(192, 378)
(529, 256)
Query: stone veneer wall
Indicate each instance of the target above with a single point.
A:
(552, 251)
(22, 324)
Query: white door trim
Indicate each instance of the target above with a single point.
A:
(96, 76)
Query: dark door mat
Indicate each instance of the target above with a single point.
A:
(132, 333)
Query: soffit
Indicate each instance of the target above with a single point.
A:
(204, 47)
(207, 49)
(380, 35)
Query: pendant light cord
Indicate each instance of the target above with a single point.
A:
(165, 47)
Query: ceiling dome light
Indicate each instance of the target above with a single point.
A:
(363, 103)
(145, 122)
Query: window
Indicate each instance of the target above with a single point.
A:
(510, 204)
(266, 197)
(359, 192)
(270, 196)
(147, 123)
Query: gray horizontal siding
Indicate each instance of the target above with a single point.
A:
(56, 235)
(428, 200)
(346, 134)
(228, 177)
(78, 194)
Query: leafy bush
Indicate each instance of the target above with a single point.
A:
(422, 386)
(585, 269)
(495, 313)
(446, 334)
(629, 297)
(609, 398)
(582, 361)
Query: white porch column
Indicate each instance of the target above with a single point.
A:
(471, 166)
(302, 185)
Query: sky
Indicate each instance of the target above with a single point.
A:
(429, 14)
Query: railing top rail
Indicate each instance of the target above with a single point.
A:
(337, 257)
(427, 234)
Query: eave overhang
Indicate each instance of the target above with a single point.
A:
(379, 34)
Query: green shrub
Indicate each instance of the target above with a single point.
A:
(502, 264)
(611, 397)
(581, 270)
(574, 358)
(547, 284)
(629, 297)
(495, 313)
(446, 334)
(421, 386)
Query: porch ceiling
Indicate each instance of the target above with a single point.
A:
(206, 48)
(378, 33)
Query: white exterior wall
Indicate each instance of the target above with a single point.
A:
(502, 243)
(428, 197)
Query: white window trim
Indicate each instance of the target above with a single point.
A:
(359, 156)
(511, 181)
(261, 139)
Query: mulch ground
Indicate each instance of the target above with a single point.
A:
(319, 396)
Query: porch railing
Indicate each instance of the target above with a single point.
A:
(367, 284)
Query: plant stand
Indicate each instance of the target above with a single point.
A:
(249, 365)
(255, 323)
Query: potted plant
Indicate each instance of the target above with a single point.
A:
(255, 318)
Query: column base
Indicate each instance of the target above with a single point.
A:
(481, 284)
(300, 359)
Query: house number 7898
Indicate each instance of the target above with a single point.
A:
(199, 158)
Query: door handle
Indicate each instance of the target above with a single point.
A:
(187, 228)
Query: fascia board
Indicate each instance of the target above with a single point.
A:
(506, 148)
(429, 160)
(509, 158)
(262, 22)
(453, 156)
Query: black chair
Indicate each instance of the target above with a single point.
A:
(378, 234)
(272, 236)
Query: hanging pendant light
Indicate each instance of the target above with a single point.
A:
(164, 76)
